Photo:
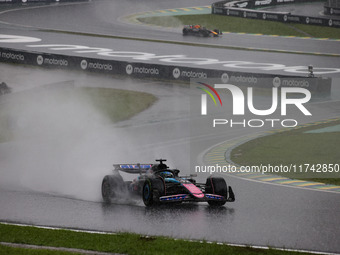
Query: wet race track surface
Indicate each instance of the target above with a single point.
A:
(50, 185)
(255, 219)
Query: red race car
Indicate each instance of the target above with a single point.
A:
(199, 30)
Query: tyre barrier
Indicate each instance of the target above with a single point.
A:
(317, 86)
(245, 9)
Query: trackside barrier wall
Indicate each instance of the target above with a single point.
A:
(244, 9)
(317, 86)
(332, 7)
(329, 10)
(252, 4)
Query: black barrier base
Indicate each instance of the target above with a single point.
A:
(331, 10)
(317, 86)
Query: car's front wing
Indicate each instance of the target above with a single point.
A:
(189, 198)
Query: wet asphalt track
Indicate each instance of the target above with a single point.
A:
(262, 215)
(100, 17)
(258, 61)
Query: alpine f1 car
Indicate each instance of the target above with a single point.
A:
(200, 31)
(157, 184)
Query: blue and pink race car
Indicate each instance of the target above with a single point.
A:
(157, 184)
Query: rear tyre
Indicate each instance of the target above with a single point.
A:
(218, 186)
(112, 186)
(185, 31)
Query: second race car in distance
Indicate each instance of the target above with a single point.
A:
(199, 30)
(157, 184)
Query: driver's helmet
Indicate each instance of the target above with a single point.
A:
(158, 167)
(166, 174)
(197, 26)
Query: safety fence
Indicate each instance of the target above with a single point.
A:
(247, 9)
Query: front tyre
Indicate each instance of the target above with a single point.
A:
(218, 32)
(218, 186)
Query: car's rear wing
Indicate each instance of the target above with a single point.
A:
(132, 168)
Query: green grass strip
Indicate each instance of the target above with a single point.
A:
(6, 250)
(296, 147)
(124, 243)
